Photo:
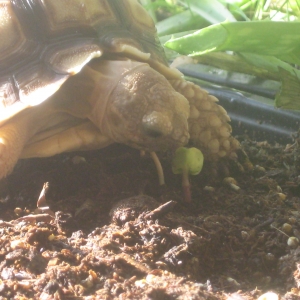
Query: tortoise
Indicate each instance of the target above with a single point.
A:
(82, 74)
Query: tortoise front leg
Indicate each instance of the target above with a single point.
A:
(208, 122)
(16, 132)
(13, 136)
(81, 137)
(42, 131)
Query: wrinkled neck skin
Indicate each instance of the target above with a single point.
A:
(135, 105)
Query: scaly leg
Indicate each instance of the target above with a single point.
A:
(208, 122)
(85, 136)
(16, 133)
(23, 135)
(13, 137)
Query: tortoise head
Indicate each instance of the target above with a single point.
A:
(143, 110)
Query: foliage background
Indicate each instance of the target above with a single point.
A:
(257, 37)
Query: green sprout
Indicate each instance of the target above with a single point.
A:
(187, 161)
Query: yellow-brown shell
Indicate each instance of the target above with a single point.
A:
(43, 42)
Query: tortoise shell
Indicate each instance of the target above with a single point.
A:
(42, 43)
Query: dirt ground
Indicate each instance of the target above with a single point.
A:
(111, 232)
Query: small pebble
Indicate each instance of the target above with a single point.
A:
(268, 296)
(76, 160)
(245, 235)
(18, 211)
(18, 244)
(231, 182)
(270, 257)
(287, 228)
(208, 188)
(281, 196)
(259, 171)
(293, 242)
(233, 281)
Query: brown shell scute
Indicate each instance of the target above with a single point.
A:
(60, 17)
(13, 41)
(72, 57)
(143, 23)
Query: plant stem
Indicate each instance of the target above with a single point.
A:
(186, 186)
(159, 169)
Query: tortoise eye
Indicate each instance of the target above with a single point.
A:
(151, 131)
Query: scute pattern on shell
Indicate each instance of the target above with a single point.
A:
(35, 60)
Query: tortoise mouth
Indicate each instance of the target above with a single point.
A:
(158, 142)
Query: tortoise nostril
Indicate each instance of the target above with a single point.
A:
(157, 124)
(151, 131)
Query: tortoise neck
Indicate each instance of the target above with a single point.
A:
(106, 75)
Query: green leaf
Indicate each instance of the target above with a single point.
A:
(187, 159)
(211, 10)
(280, 39)
(270, 63)
(288, 97)
(181, 22)
(252, 64)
